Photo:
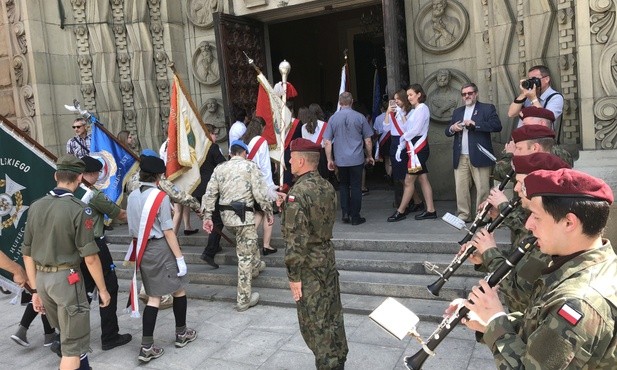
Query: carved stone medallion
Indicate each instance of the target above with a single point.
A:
(200, 11)
(206, 65)
(443, 91)
(441, 26)
(212, 113)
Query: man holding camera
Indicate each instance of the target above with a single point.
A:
(537, 91)
(471, 125)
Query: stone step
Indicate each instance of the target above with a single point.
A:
(370, 261)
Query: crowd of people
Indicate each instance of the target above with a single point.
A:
(559, 308)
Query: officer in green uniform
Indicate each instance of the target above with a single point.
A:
(101, 205)
(58, 234)
(307, 222)
(570, 321)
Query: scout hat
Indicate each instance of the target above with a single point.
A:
(304, 145)
(92, 164)
(537, 112)
(526, 164)
(69, 162)
(150, 162)
(241, 144)
(530, 132)
(567, 183)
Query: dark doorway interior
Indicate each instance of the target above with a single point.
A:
(315, 47)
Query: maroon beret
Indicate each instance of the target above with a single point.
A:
(529, 132)
(304, 145)
(526, 164)
(534, 111)
(567, 183)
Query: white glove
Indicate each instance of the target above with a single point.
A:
(272, 194)
(401, 146)
(181, 266)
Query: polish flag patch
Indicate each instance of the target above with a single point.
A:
(291, 198)
(570, 314)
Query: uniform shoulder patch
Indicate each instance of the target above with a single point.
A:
(88, 211)
(570, 314)
(291, 198)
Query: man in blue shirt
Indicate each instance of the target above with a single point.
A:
(348, 137)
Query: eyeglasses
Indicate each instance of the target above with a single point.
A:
(468, 93)
(74, 127)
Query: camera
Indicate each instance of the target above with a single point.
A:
(531, 83)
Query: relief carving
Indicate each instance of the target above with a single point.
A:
(441, 26)
(212, 113)
(20, 69)
(443, 89)
(206, 65)
(602, 25)
(605, 111)
(27, 100)
(253, 3)
(200, 11)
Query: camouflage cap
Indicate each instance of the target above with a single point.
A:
(69, 162)
(567, 183)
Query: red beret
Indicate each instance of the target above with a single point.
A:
(304, 145)
(529, 132)
(567, 183)
(526, 164)
(534, 111)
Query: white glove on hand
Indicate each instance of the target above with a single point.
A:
(402, 146)
(182, 270)
(272, 194)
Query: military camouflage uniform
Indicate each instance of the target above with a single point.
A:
(239, 180)
(307, 222)
(570, 323)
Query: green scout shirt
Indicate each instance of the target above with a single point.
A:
(307, 222)
(101, 205)
(59, 231)
(570, 322)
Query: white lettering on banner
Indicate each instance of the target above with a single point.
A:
(12, 162)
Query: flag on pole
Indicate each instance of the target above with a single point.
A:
(376, 95)
(118, 164)
(26, 174)
(188, 141)
(276, 114)
(344, 82)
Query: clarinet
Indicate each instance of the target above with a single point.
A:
(479, 220)
(447, 325)
(459, 259)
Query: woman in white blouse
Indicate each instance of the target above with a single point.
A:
(415, 142)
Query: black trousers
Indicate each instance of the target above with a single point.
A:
(109, 318)
(214, 240)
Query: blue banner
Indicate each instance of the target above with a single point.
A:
(118, 164)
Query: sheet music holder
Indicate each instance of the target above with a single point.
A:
(395, 318)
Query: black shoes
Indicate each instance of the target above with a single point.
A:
(426, 215)
(397, 216)
(55, 346)
(345, 219)
(191, 232)
(267, 251)
(209, 260)
(416, 207)
(358, 221)
(121, 339)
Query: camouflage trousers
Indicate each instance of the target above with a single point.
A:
(248, 259)
(320, 314)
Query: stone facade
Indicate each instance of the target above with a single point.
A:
(113, 56)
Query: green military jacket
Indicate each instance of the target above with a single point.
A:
(307, 222)
(101, 205)
(237, 180)
(570, 321)
(59, 231)
(504, 165)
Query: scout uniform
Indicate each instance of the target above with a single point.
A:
(58, 234)
(307, 222)
(239, 181)
(570, 321)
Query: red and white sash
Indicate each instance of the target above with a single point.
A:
(381, 142)
(137, 248)
(321, 132)
(413, 165)
(396, 125)
(255, 148)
